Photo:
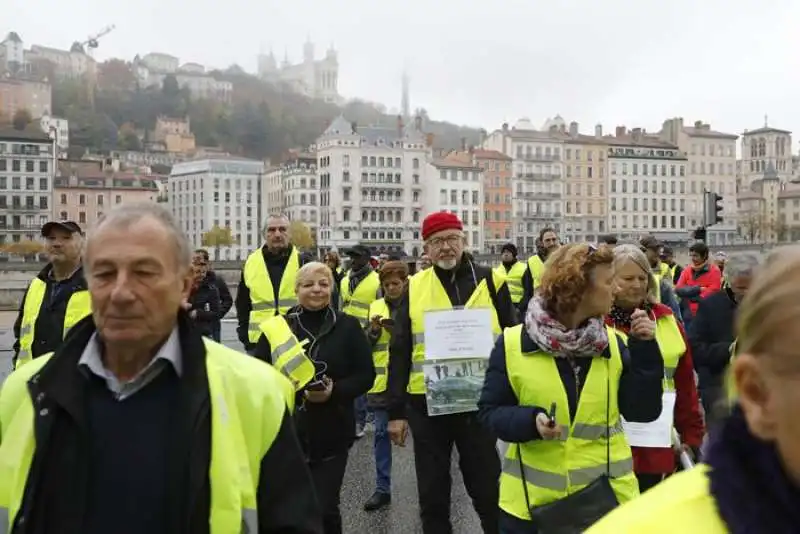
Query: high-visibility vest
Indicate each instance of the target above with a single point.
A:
(730, 385)
(78, 307)
(380, 352)
(672, 271)
(425, 293)
(288, 355)
(670, 343)
(536, 267)
(662, 272)
(366, 292)
(556, 468)
(247, 408)
(513, 278)
(682, 503)
(264, 302)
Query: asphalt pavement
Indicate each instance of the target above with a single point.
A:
(401, 517)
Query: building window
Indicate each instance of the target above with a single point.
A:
(82, 217)
(63, 198)
(118, 198)
(82, 200)
(63, 215)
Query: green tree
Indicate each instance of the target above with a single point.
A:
(217, 237)
(301, 235)
(22, 118)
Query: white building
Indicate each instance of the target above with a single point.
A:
(300, 190)
(57, 128)
(647, 187)
(457, 187)
(12, 51)
(221, 192)
(151, 70)
(72, 63)
(761, 147)
(315, 78)
(26, 184)
(537, 183)
(372, 186)
(160, 62)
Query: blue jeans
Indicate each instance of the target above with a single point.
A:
(383, 453)
(361, 411)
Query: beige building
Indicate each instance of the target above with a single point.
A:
(72, 63)
(585, 200)
(711, 167)
(84, 190)
(175, 134)
(300, 188)
(32, 95)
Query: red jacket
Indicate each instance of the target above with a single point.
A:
(688, 420)
(707, 277)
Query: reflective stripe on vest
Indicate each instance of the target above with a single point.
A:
(78, 307)
(513, 278)
(425, 293)
(288, 355)
(380, 352)
(263, 298)
(671, 345)
(366, 292)
(554, 469)
(247, 409)
(536, 267)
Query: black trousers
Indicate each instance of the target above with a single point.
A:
(328, 476)
(433, 439)
(648, 480)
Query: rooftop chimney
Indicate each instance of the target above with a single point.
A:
(698, 124)
(573, 129)
(428, 137)
(636, 133)
(418, 122)
(505, 126)
(621, 130)
(598, 131)
(354, 126)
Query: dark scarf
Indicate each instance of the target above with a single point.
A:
(748, 482)
(622, 318)
(357, 276)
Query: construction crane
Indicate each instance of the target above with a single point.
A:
(89, 45)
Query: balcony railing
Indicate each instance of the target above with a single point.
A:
(539, 157)
(536, 195)
(538, 177)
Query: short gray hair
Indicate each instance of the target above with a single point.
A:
(276, 215)
(128, 214)
(626, 253)
(741, 264)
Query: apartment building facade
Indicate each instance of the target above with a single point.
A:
(456, 185)
(585, 200)
(497, 206)
(300, 189)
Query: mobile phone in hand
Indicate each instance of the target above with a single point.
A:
(552, 416)
(317, 385)
(387, 322)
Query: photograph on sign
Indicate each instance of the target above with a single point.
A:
(453, 386)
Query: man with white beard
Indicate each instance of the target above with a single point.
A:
(453, 282)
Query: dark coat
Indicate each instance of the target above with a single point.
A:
(205, 300)
(225, 298)
(327, 429)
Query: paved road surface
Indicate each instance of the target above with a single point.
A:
(400, 518)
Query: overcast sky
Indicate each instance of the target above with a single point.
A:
(631, 62)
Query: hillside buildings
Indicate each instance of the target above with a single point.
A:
(219, 192)
(173, 135)
(26, 184)
(151, 70)
(314, 78)
(57, 129)
(32, 95)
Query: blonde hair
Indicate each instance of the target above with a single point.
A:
(310, 270)
(632, 253)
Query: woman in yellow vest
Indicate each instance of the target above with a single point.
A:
(749, 482)
(325, 417)
(382, 314)
(636, 289)
(556, 389)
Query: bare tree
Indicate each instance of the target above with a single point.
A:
(750, 226)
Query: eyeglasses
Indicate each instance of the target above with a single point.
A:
(451, 240)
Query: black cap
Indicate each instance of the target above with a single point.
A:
(70, 226)
(511, 247)
(359, 251)
(649, 242)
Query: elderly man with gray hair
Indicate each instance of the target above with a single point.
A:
(712, 330)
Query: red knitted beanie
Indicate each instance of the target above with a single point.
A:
(441, 220)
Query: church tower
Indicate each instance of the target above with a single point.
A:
(405, 102)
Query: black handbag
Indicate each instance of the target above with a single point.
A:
(578, 511)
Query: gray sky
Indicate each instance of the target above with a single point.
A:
(632, 62)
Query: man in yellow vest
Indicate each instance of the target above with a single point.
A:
(668, 257)
(56, 299)
(546, 244)
(663, 274)
(514, 271)
(453, 281)
(267, 285)
(137, 407)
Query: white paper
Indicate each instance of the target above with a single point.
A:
(458, 334)
(658, 433)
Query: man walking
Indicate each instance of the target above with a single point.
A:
(225, 298)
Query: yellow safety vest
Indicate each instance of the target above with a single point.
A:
(357, 304)
(670, 343)
(536, 267)
(380, 352)
(263, 299)
(288, 355)
(78, 307)
(513, 278)
(247, 408)
(557, 468)
(682, 503)
(730, 384)
(425, 293)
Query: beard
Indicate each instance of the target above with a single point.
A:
(447, 265)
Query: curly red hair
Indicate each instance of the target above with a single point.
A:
(567, 275)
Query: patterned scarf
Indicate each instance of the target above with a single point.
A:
(589, 339)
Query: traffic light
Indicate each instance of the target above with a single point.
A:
(712, 208)
(699, 234)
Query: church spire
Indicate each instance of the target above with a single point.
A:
(405, 101)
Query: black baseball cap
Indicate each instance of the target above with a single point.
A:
(70, 226)
(359, 251)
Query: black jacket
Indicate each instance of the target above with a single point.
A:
(327, 429)
(527, 284)
(711, 333)
(55, 495)
(205, 300)
(225, 298)
(276, 265)
(49, 328)
(458, 285)
(380, 400)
